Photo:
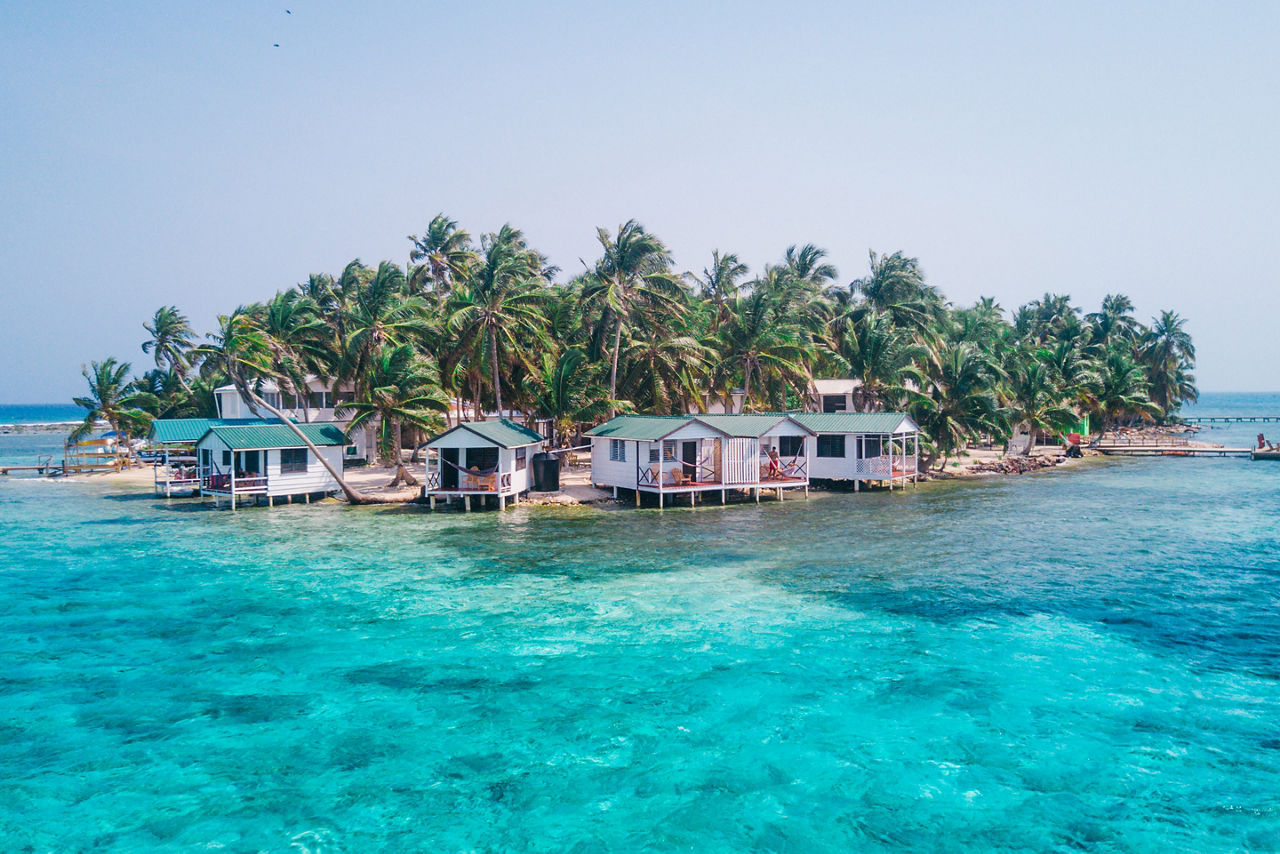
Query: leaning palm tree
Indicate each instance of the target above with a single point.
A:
(402, 389)
(633, 270)
(112, 398)
(171, 341)
(246, 355)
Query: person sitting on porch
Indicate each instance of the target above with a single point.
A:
(775, 463)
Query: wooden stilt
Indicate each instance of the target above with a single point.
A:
(779, 493)
(306, 499)
(615, 493)
(637, 498)
(757, 494)
(432, 501)
(659, 500)
(722, 496)
(502, 502)
(466, 503)
(271, 502)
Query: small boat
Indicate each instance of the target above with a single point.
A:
(1263, 454)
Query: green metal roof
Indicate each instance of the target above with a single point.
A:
(750, 425)
(250, 437)
(502, 432)
(641, 427)
(852, 422)
(171, 431)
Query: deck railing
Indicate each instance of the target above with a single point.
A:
(472, 482)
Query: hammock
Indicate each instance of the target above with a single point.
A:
(480, 472)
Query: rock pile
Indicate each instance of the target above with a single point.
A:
(1019, 465)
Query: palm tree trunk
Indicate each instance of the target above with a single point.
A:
(493, 364)
(746, 383)
(613, 371)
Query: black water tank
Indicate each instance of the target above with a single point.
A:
(546, 473)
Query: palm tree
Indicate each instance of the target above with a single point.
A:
(719, 284)
(1168, 355)
(447, 251)
(764, 345)
(897, 286)
(1115, 321)
(663, 369)
(401, 389)
(1122, 393)
(633, 270)
(499, 305)
(1035, 402)
(961, 402)
(171, 341)
(112, 398)
(561, 390)
(883, 359)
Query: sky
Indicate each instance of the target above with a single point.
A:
(171, 153)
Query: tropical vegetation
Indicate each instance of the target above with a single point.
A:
(477, 326)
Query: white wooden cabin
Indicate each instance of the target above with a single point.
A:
(863, 447)
(680, 455)
(315, 405)
(481, 459)
(268, 460)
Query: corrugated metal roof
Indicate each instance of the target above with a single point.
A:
(854, 422)
(502, 432)
(751, 425)
(256, 436)
(641, 427)
(169, 431)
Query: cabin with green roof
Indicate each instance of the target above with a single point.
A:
(481, 459)
(175, 469)
(863, 447)
(267, 459)
(672, 456)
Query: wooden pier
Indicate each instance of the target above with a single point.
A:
(1170, 451)
(1232, 419)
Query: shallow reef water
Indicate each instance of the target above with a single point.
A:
(1075, 659)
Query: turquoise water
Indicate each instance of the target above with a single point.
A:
(1074, 659)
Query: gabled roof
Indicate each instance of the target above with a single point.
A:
(171, 431)
(502, 432)
(749, 425)
(262, 436)
(647, 428)
(640, 427)
(856, 422)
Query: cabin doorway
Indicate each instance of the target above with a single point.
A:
(448, 468)
(689, 456)
(249, 463)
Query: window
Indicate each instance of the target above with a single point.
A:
(617, 451)
(791, 446)
(831, 446)
(344, 397)
(318, 400)
(288, 400)
(521, 461)
(870, 447)
(834, 403)
(653, 453)
(669, 450)
(293, 460)
(226, 459)
(484, 459)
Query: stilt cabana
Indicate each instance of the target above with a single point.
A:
(176, 471)
(864, 447)
(268, 460)
(481, 459)
(679, 455)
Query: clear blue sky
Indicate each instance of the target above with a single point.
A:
(168, 153)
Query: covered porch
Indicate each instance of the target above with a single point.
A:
(480, 460)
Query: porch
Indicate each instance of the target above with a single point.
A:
(690, 466)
